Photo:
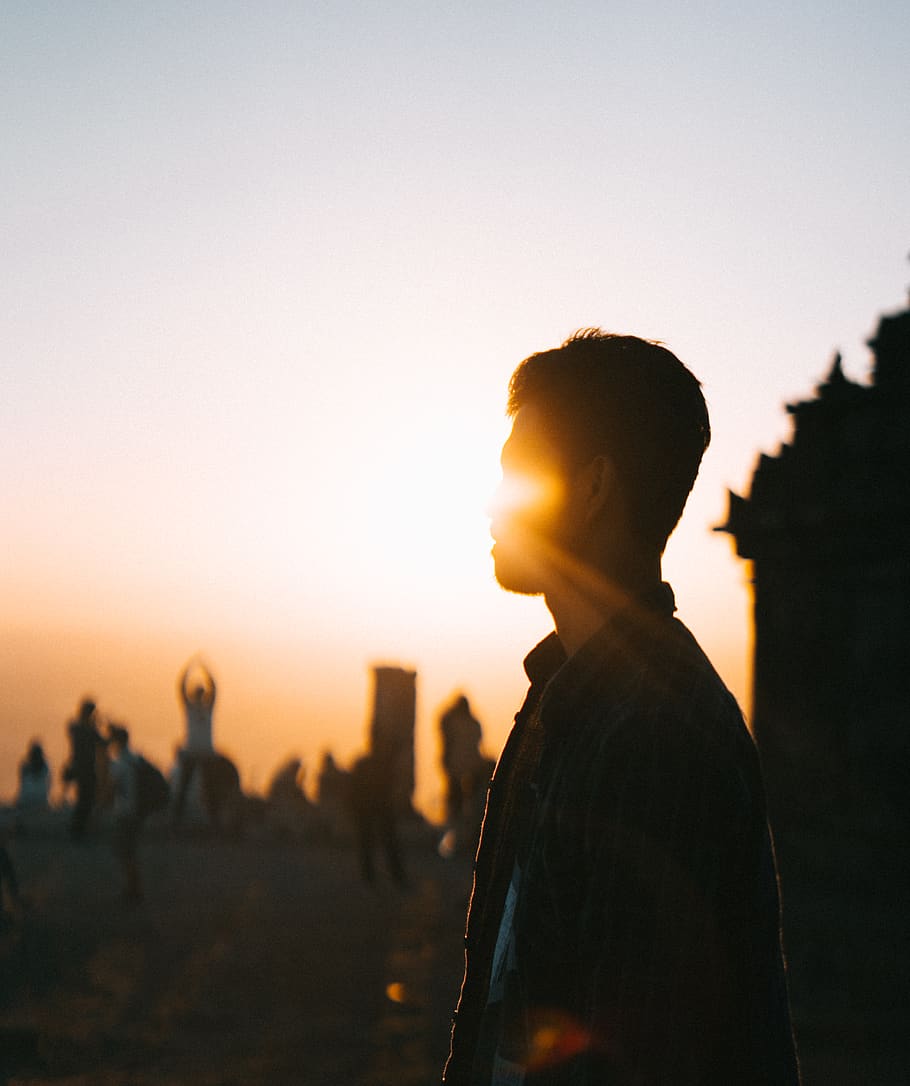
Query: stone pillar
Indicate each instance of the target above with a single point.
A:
(392, 728)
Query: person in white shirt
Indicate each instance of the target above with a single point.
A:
(198, 701)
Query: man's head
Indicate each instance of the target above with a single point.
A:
(118, 739)
(608, 434)
(86, 710)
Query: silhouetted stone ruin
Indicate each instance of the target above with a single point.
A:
(827, 529)
(392, 727)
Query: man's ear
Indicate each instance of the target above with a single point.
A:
(598, 487)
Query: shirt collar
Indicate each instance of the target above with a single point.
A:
(626, 638)
(544, 660)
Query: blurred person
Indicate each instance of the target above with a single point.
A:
(124, 785)
(198, 700)
(223, 800)
(34, 781)
(332, 788)
(86, 748)
(10, 901)
(624, 922)
(289, 804)
(287, 780)
(466, 771)
(376, 810)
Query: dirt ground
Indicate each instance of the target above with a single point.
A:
(252, 961)
(264, 962)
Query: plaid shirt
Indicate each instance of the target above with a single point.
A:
(625, 880)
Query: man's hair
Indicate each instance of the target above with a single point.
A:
(632, 401)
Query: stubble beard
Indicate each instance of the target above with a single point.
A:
(517, 569)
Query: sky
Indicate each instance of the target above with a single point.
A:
(267, 268)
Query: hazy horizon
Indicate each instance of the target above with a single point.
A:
(268, 271)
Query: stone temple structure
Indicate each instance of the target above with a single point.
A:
(826, 527)
(392, 728)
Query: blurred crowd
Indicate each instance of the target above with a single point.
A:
(111, 790)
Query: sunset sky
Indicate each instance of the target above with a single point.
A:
(267, 269)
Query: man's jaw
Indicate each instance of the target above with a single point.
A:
(528, 563)
(520, 561)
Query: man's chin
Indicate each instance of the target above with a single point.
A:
(515, 575)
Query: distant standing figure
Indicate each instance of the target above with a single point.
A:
(375, 811)
(290, 807)
(466, 769)
(286, 786)
(198, 703)
(9, 885)
(222, 796)
(81, 770)
(331, 793)
(124, 779)
(34, 781)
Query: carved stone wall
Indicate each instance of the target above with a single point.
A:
(826, 527)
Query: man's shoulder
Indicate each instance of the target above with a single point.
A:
(666, 738)
(659, 692)
(686, 677)
(658, 665)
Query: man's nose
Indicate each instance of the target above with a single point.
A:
(505, 499)
(518, 494)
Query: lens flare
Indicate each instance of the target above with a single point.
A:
(555, 1038)
(522, 493)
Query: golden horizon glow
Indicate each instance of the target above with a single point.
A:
(261, 316)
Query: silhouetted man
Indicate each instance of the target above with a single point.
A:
(624, 924)
(82, 768)
(9, 884)
(376, 807)
(466, 772)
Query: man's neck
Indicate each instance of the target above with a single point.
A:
(581, 604)
(576, 621)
